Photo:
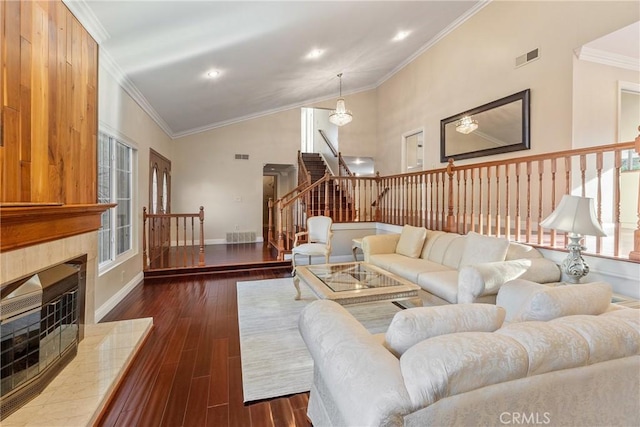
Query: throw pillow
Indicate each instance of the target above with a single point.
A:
(413, 325)
(479, 249)
(411, 241)
(565, 300)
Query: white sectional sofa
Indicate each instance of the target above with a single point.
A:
(460, 365)
(457, 268)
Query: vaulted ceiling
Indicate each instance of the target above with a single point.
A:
(162, 51)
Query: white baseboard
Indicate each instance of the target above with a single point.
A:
(112, 302)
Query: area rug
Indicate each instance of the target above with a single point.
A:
(275, 361)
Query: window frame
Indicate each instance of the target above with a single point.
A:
(116, 259)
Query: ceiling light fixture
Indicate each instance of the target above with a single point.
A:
(340, 116)
(401, 36)
(315, 54)
(213, 74)
(466, 125)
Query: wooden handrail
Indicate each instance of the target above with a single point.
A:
(160, 230)
(635, 253)
(304, 177)
(507, 198)
(329, 143)
(343, 169)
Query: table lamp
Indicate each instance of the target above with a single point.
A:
(577, 217)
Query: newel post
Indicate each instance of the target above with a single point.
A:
(635, 253)
(450, 227)
(270, 229)
(280, 233)
(327, 212)
(201, 216)
(145, 261)
(378, 201)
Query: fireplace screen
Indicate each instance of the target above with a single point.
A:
(40, 331)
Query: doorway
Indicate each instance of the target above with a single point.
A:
(412, 151)
(159, 183)
(159, 203)
(269, 187)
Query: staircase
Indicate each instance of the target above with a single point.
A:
(339, 205)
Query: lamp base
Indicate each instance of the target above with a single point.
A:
(574, 266)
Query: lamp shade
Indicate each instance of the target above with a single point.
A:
(574, 215)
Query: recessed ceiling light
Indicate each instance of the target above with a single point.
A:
(315, 53)
(213, 74)
(401, 36)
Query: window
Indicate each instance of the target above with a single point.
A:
(630, 161)
(115, 185)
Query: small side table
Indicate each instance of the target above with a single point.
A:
(355, 245)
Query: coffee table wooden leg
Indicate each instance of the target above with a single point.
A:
(296, 283)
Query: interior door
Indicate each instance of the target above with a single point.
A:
(159, 203)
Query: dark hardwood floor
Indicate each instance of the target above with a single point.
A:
(188, 372)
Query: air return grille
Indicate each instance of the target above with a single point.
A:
(242, 157)
(241, 236)
(527, 57)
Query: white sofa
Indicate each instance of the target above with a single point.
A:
(457, 268)
(576, 369)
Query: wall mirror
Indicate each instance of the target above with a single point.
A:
(500, 126)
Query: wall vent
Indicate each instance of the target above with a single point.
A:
(527, 57)
(241, 236)
(242, 157)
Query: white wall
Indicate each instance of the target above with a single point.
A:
(475, 64)
(120, 116)
(595, 103)
(206, 173)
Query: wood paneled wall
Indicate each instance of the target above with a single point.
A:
(49, 105)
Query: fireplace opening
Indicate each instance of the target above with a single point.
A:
(41, 322)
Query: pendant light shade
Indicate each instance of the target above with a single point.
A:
(340, 116)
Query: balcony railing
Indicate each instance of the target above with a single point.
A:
(172, 240)
(507, 198)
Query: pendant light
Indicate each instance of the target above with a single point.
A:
(340, 116)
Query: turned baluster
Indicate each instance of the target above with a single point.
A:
(528, 218)
(517, 223)
(616, 202)
(599, 198)
(540, 191)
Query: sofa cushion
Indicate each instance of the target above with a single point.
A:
(431, 240)
(607, 337)
(551, 302)
(439, 246)
(550, 347)
(411, 268)
(452, 364)
(480, 249)
(518, 251)
(413, 325)
(627, 315)
(441, 283)
(411, 241)
(453, 254)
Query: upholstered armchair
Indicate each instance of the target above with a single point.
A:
(318, 242)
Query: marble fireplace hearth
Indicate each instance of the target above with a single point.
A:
(82, 389)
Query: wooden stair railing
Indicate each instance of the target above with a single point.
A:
(169, 240)
(502, 198)
(635, 253)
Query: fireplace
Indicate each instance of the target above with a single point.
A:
(42, 318)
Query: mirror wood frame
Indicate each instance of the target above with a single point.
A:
(524, 143)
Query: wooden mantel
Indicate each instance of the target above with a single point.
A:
(24, 225)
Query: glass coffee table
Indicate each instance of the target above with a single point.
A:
(355, 283)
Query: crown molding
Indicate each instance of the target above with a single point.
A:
(110, 66)
(89, 20)
(442, 34)
(306, 103)
(608, 58)
(85, 15)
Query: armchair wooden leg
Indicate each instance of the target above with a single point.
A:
(296, 283)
